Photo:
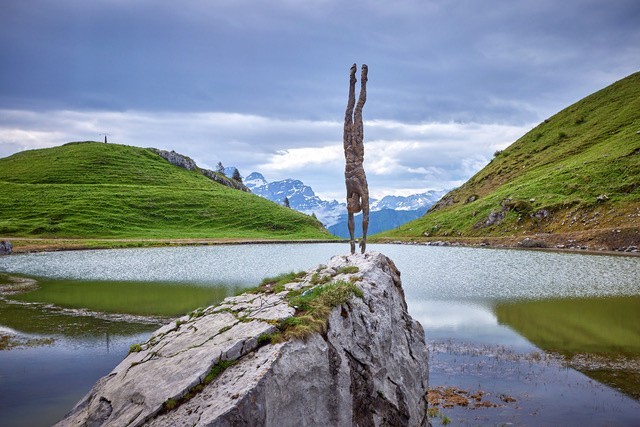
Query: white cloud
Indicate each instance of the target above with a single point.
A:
(296, 159)
(400, 158)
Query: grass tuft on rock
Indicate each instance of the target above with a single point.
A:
(349, 269)
(313, 307)
(276, 284)
(214, 372)
(135, 348)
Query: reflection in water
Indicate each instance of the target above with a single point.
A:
(597, 336)
(576, 325)
(139, 298)
(39, 384)
(467, 321)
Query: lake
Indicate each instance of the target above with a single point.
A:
(537, 338)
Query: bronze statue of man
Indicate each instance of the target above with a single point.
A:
(354, 176)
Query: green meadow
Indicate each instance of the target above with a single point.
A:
(94, 190)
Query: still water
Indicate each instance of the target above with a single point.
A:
(558, 333)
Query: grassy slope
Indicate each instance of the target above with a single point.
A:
(94, 190)
(589, 149)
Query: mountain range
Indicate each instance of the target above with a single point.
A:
(386, 213)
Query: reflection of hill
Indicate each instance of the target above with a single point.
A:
(33, 319)
(598, 336)
(137, 298)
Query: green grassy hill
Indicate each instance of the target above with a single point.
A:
(574, 178)
(94, 190)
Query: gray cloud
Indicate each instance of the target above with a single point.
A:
(256, 83)
(401, 158)
(435, 60)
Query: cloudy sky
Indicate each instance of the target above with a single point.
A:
(262, 85)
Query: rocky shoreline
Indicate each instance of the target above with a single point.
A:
(615, 241)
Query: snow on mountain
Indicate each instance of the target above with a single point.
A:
(301, 197)
(408, 203)
(393, 210)
(254, 180)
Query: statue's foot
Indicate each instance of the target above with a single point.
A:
(363, 245)
(353, 247)
(365, 71)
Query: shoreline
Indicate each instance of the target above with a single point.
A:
(624, 241)
(35, 245)
(460, 244)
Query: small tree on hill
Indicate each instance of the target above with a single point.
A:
(236, 175)
(220, 168)
(286, 202)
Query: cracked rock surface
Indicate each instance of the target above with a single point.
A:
(369, 368)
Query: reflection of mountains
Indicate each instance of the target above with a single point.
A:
(600, 337)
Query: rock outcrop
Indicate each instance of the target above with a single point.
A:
(252, 359)
(5, 247)
(188, 163)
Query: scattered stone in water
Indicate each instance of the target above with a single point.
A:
(507, 399)
(12, 285)
(450, 397)
(5, 247)
(10, 342)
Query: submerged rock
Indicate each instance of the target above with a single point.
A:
(250, 360)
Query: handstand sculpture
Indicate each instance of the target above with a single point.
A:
(355, 178)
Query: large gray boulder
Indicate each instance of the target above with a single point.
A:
(176, 159)
(369, 366)
(5, 247)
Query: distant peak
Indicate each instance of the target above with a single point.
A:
(256, 175)
(255, 179)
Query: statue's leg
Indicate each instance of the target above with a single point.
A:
(359, 148)
(348, 115)
(352, 226)
(357, 115)
(365, 224)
